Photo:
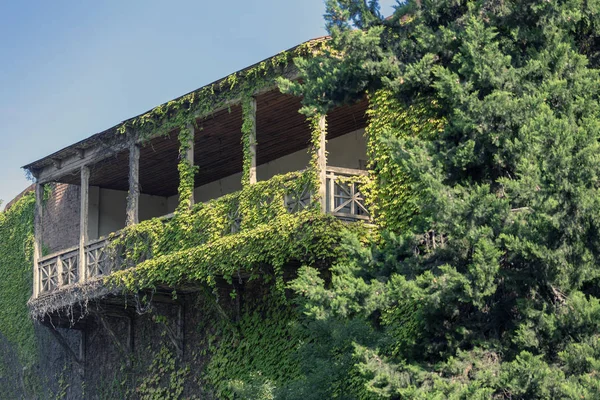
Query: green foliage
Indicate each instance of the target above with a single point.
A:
(16, 261)
(248, 127)
(302, 237)
(187, 171)
(164, 379)
(18, 338)
(392, 198)
(253, 357)
(222, 236)
(484, 146)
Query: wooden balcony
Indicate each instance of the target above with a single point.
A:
(343, 199)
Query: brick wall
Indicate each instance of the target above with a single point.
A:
(60, 221)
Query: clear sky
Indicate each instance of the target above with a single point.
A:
(69, 69)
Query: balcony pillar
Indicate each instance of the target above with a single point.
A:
(132, 215)
(322, 163)
(83, 221)
(37, 244)
(252, 141)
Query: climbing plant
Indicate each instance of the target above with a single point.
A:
(16, 261)
(18, 341)
(256, 355)
(392, 198)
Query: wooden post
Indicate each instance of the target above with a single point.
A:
(132, 216)
(190, 154)
(37, 244)
(322, 163)
(59, 271)
(83, 221)
(252, 140)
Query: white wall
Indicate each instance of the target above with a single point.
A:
(212, 190)
(113, 204)
(107, 209)
(152, 206)
(93, 212)
(348, 151)
(292, 162)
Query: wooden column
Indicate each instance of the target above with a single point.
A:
(190, 155)
(322, 163)
(37, 244)
(83, 221)
(252, 140)
(133, 197)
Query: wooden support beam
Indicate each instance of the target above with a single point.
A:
(83, 221)
(82, 347)
(322, 163)
(133, 197)
(37, 244)
(57, 162)
(176, 335)
(122, 349)
(65, 345)
(252, 140)
(190, 154)
(131, 333)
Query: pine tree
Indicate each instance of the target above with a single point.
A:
(491, 288)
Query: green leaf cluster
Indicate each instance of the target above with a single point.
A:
(484, 145)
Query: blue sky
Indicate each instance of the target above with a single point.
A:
(69, 69)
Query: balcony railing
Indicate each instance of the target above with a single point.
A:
(344, 200)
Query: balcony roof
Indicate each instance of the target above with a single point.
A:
(111, 134)
(281, 130)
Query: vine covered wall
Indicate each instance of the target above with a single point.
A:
(26, 351)
(16, 263)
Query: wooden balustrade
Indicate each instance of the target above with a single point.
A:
(343, 199)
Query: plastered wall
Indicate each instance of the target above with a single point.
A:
(107, 213)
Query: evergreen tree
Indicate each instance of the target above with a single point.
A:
(490, 286)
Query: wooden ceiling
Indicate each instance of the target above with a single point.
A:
(281, 130)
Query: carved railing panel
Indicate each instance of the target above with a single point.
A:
(70, 267)
(234, 219)
(344, 197)
(97, 260)
(48, 275)
(298, 198)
